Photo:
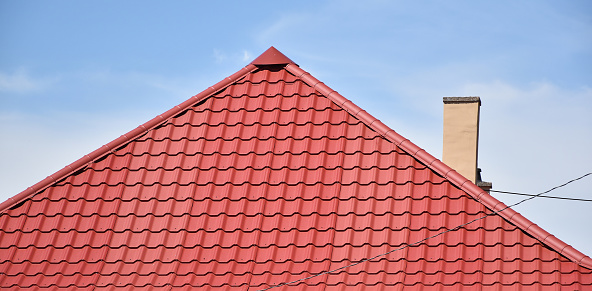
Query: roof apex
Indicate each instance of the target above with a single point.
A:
(272, 57)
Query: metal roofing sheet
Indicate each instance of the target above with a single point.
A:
(266, 178)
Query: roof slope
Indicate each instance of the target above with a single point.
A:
(268, 177)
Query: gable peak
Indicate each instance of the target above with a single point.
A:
(272, 57)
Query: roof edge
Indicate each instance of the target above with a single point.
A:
(125, 138)
(448, 173)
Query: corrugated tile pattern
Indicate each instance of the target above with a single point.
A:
(264, 182)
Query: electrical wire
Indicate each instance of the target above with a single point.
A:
(420, 241)
(541, 196)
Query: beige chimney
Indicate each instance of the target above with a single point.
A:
(461, 135)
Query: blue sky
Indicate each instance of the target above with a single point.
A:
(75, 75)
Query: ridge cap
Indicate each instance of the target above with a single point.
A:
(271, 56)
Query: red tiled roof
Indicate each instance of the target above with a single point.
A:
(268, 177)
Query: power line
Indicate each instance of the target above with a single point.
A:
(556, 187)
(420, 241)
(541, 196)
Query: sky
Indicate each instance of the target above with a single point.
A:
(75, 75)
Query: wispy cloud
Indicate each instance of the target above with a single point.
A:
(246, 56)
(20, 81)
(219, 56)
(537, 103)
(235, 57)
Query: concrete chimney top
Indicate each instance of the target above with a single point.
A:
(460, 100)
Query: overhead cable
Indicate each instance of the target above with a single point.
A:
(420, 241)
(541, 196)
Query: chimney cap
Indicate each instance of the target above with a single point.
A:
(470, 99)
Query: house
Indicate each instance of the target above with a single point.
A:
(269, 179)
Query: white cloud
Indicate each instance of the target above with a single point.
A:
(219, 56)
(535, 94)
(233, 57)
(246, 56)
(21, 82)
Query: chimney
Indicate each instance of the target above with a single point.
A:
(461, 137)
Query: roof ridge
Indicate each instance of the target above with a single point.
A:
(448, 173)
(123, 139)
